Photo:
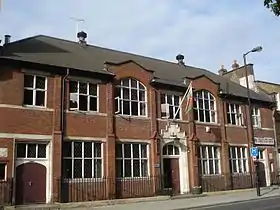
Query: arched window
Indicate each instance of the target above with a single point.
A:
(170, 149)
(131, 97)
(204, 107)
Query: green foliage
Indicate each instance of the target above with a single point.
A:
(273, 5)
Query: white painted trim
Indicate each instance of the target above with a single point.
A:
(85, 112)
(237, 145)
(133, 117)
(183, 165)
(45, 162)
(266, 129)
(210, 144)
(207, 123)
(176, 120)
(28, 107)
(134, 140)
(25, 136)
(83, 138)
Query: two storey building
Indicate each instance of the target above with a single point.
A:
(80, 122)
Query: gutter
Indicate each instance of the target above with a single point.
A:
(62, 102)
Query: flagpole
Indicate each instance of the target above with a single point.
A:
(181, 102)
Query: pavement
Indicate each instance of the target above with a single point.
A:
(235, 199)
(218, 201)
(272, 203)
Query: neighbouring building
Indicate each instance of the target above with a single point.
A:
(81, 123)
(237, 74)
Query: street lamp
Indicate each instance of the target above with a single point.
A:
(256, 49)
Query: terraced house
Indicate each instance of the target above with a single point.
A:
(80, 123)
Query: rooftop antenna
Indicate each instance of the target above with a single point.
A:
(78, 22)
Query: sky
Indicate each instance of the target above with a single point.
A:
(209, 33)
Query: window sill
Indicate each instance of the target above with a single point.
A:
(86, 112)
(83, 180)
(132, 117)
(133, 178)
(207, 123)
(235, 126)
(41, 108)
(211, 175)
(176, 120)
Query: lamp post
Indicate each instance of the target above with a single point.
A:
(256, 49)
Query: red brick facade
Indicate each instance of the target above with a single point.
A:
(16, 120)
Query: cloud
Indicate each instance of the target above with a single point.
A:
(208, 33)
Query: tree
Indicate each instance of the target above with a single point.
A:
(273, 5)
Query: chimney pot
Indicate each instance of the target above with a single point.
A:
(7, 39)
(180, 59)
(235, 65)
(222, 70)
(82, 37)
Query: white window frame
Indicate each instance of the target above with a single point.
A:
(206, 96)
(256, 116)
(35, 90)
(234, 112)
(120, 99)
(36, 152)
(84, 94)
(236, 160)
(165, 106)
(140, 158)
(277, 100)
(93, 158)
(207, 159)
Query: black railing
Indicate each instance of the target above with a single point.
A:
(77, 190)
(6, 192)
(222, 182)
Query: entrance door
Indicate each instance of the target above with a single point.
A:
(30, 183)
(171, 174)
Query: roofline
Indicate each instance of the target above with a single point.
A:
(232, 70)
(266, 82)
(126, 62)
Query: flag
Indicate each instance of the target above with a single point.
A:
(189, 98)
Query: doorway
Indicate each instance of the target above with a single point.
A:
(30, 183)
(171, 174)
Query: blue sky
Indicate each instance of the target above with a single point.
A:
(208, 32)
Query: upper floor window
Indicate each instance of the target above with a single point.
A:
(256, 117)
(209, 159)
(131, 97)
(35, 89)
(83, 96)
(204, 107)
(169, 106)
(234, 114)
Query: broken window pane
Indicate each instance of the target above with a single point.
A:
(83, 106)
(126, 107)
(40, 98)
(73, 87)
(92, 89)
(28, 81)
(93, 104)
(28, 97)
(134, 108)
(21, 150)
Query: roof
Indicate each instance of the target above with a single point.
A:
(269, 87)
(48, 50)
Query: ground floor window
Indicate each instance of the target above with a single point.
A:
(238, 159)
(3, 170)
(209, 159)
(82, 159)
(131, 160)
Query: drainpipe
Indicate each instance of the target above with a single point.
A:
(276, 141)
(13, 173)
(62, 102)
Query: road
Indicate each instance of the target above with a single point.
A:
(272, 203)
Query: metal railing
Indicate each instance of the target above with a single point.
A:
(77, 190)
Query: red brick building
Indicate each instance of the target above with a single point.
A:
(90, 123)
